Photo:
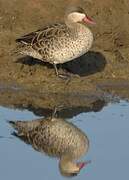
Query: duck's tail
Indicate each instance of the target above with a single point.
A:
(24, 126)
(19, 49)
(21, 130)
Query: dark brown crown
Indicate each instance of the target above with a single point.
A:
(75, 9)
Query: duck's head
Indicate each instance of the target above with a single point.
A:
(69, 168)
(77, 15)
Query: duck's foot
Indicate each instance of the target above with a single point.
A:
(70, 74)
(64, 76)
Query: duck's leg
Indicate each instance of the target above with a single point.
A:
(56, 70)
(63, 76)
(56, 109)
(54, 113)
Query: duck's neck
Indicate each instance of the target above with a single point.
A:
(77, 29)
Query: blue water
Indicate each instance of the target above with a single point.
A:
(107, 130)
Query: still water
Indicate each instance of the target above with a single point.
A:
(108, 133)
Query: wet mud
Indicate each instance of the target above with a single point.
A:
(106, 63)
(67, 105)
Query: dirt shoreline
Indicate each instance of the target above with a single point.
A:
(108, 60)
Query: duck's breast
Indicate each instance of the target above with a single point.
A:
(60, 137)
(70, 48)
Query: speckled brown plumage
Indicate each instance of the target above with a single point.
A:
(53, 136)
(56, 137)
(58, 43)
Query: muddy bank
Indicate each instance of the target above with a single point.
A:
(107, 60)
(43, 104)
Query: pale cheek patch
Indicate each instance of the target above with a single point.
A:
(76, 17)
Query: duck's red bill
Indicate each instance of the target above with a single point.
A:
(83, 164)
(88, 20)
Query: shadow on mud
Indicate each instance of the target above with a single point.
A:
(90, 63)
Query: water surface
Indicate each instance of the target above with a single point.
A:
(107, 130)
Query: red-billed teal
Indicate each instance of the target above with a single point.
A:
(56, 137)
(61, 42)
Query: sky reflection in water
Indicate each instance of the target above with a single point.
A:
(109, 146)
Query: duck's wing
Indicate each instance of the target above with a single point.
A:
(27, 39)
(48, 32)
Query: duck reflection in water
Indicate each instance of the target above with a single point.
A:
(57, 138)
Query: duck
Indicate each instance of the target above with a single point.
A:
(55, 137)
(59, 43)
